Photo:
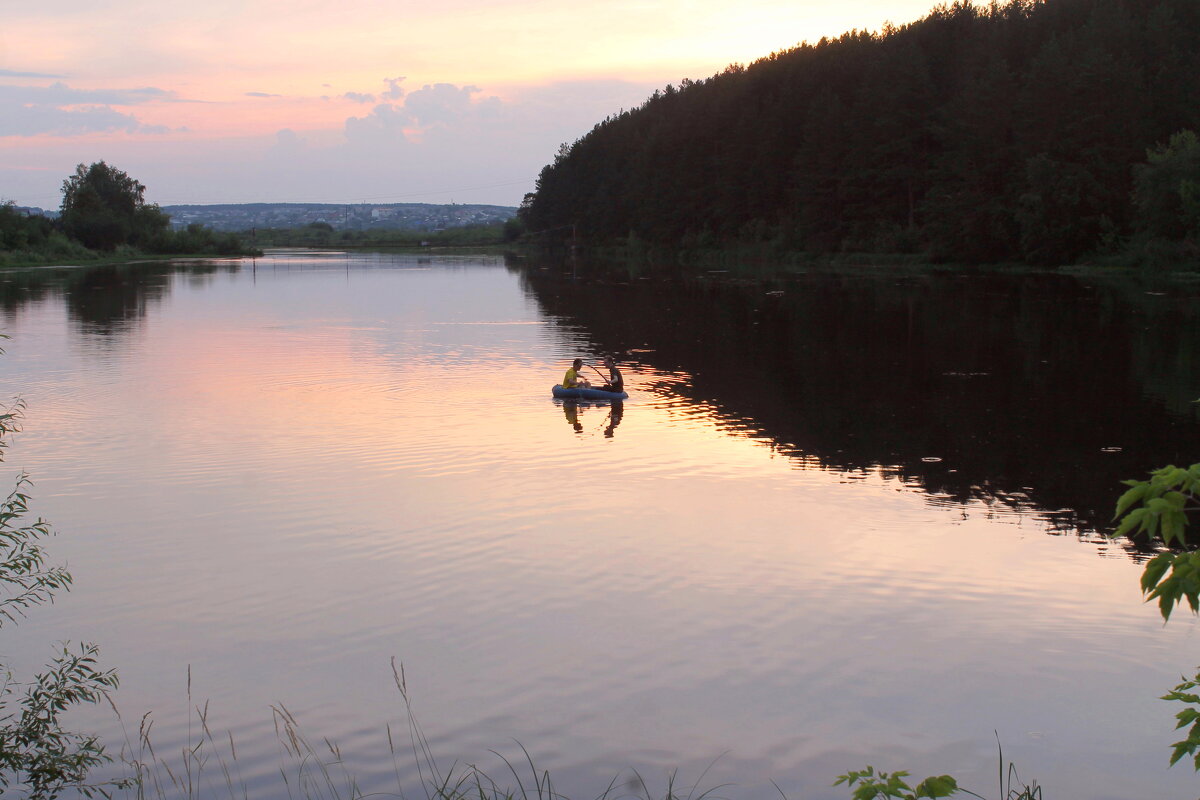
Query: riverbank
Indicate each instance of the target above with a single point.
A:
(737, 259)
(10, 260)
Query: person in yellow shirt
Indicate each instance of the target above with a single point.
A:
(573, 380)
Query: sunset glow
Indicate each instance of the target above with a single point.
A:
(463, 100)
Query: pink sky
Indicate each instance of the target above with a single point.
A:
(361, 100)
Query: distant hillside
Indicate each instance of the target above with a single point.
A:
(982, 133)
(365, 216)
(34, 211)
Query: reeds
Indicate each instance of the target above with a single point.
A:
(206, 767)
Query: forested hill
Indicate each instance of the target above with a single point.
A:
(979, 133)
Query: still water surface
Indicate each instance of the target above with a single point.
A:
(840, 520)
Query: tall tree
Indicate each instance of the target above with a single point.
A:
(103, 208)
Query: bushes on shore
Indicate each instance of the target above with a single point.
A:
(103, 214)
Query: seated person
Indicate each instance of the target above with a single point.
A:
(573, 380)
(615, 382)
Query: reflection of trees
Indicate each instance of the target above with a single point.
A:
(103, 300)
(1017, 384)
(109, 300)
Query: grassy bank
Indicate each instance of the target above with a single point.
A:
(91, 258)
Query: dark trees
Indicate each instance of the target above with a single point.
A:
(19, 231)
(103, 208)
(980, 133)
(1167, 189)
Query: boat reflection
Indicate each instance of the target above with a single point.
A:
(573, 410)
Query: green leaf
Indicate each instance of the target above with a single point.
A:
(1166, 604)
(939, 786)
(1131, 521)
(1154, 569)
(1130, 497)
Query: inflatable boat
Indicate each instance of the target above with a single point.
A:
(587, 394)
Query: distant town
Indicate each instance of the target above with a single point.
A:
(358, 216)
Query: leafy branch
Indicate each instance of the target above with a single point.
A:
(35, 750)
(25, 580)
(1158, 509)
(871, 785)
(1185, 693)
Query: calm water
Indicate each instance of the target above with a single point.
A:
(841, 519)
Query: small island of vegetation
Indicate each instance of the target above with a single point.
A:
(104, 216)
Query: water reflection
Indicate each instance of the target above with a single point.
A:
(106, 301)
(283, 484)
(1023, 392)
(1034, 392)
(571, 410)
(615, 414)
(575, 411)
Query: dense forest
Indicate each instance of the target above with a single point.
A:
(1036, 130)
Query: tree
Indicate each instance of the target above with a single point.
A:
(19, 231)
(1167, 189)
(104, 208)
(1058, 215)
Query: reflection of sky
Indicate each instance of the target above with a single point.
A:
(286, 477)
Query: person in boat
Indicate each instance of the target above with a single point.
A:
(615, 382)
(573, 380)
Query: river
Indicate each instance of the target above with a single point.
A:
(843, 519)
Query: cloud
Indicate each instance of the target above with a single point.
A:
(59, 94)
(394, 91)
(449, 141)
(30, 120)
(359, 97)
(262, 94)
(385, 125)
(440, 104)
(60, 110)
(12, 73)
(432, 108)
(288, 142)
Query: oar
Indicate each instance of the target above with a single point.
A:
(598, 372)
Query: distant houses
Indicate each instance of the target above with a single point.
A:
(404, 216)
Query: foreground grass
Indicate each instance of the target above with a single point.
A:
(207, 767)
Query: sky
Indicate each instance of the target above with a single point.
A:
(357, 101)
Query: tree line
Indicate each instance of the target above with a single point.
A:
(104, 211)
(1040, 131)
(322, 234)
